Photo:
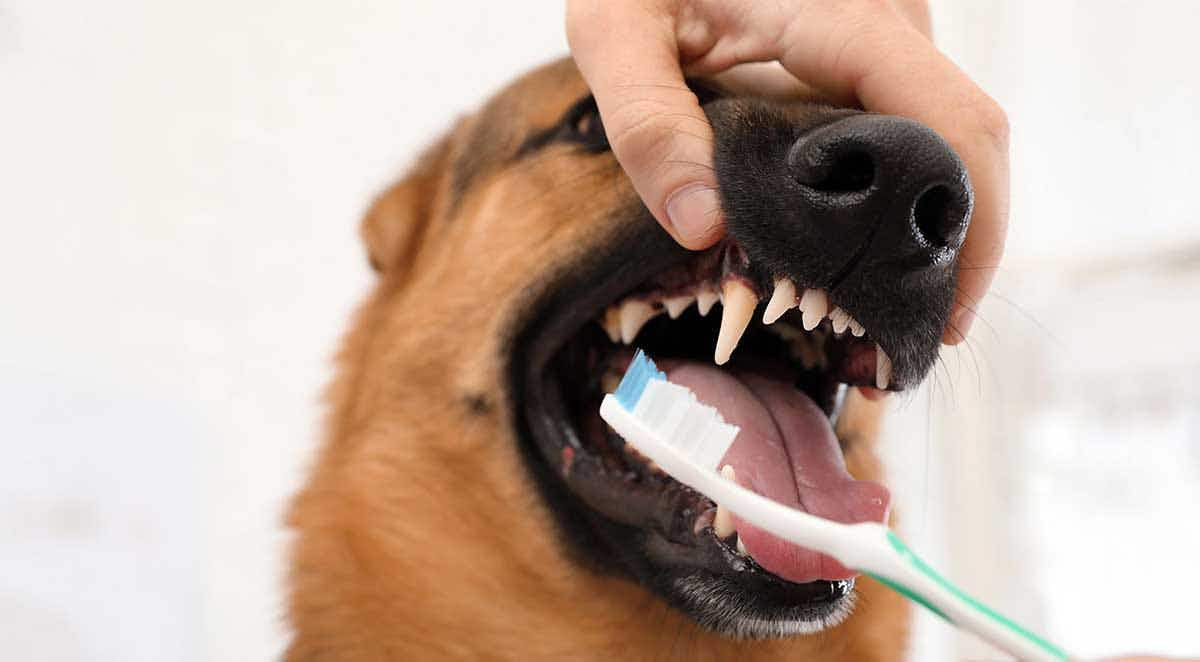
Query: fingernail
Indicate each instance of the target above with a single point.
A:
(692, 212)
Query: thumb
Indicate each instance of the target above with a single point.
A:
(654, 122)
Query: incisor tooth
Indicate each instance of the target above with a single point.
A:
(723, 520)
(857, 329)
(676, 305)
(740, 301)
(783, 298)
(741, 547)
(841, 320)
(883, 369)
(705, 300)
(634, 315)
(813, 306)
(612, 323)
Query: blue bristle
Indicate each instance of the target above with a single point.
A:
(641, 370)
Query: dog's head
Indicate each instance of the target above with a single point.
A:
(516, 265)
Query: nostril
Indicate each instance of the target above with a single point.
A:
(851, 172)
(844, 173)
(939, 216)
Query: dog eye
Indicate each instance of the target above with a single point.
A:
(584, 126)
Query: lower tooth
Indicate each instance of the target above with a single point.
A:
(741, 547)
(723, 520)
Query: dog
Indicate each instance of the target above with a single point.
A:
(467, 503)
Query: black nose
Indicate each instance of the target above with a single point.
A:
(890, 177)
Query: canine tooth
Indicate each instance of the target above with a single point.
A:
(841, 320)
(783, 298)
(676, 305)
(813, 306)
(883, 369)
(705, 300)
(740, 301)
(857, 329)
(612, 323)
(741, 547)
(634, 315)
(723, 520)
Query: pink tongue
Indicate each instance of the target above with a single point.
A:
(786, 451)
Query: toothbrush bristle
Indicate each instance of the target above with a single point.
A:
(641, 371)
(674, 414)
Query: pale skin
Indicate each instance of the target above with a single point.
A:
(876, 54)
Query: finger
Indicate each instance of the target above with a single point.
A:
(890, 67)
(764, 80)
(628, 55)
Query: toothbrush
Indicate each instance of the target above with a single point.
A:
(688, 439)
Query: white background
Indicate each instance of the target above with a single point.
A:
(180, 185)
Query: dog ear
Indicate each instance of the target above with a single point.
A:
(393, 226)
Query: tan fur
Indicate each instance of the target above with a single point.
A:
(419, 534)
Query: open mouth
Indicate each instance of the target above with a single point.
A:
(775, 357)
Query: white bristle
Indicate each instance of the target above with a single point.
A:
(683, 422)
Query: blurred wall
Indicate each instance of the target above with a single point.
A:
(180, 185)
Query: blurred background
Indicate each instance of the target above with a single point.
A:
(180, 186)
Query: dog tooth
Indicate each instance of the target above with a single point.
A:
(883, 369)
(634, 315)
(705, 300)
(609, 381)
(841, 320)
(723, 520)
(783, 298)
(813, 306)
(740, 301)
(612, 323)
(857, 329)
(741, 547)
(676, 305)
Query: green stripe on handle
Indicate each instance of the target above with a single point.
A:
(908, 555)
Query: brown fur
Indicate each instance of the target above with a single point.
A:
(419, 533)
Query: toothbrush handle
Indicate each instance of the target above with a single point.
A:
(869, 547)
(910, 576)
(874, 549)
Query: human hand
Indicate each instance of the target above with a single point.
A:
(634, 55)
